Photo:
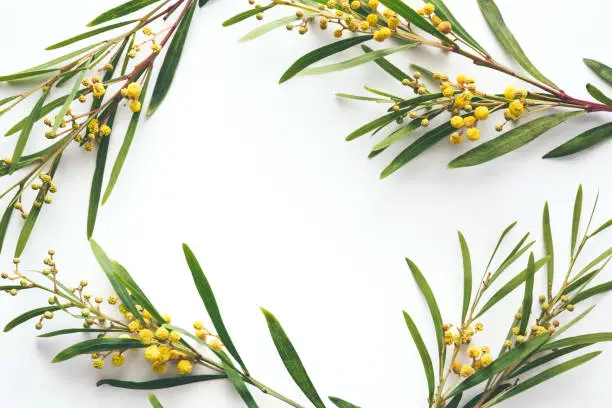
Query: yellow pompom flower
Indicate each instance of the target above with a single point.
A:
(159, 368)
(147, 31)
(466, 370)
(355, 5)
(388, 13)
(146, 336)
(455, 138)
(473, 352)
(134, 326)
(478, 326)
(98, 89)
(457, 122)
(382, 34)
(105, 130)
(448, 91)
(429, 8)
(201, 334)
(215, 344)
(473, 133)
(118, 359)
(457, 367)
(393, 23)
(338, 33)
(162, 333)
(373, 4)
(372, 19)
(165, 354)
(166, 318)
(112, 300)
(469, 121)
(364, 26)
(133, 90)
(486, 360)
(485, 349)
(152, 354)
(461, 79)
(435, 20)
(98, 363)
(481, 112)
(184, 367)
(445, 28)
(198, 325)
(516, 108)
(520, 339)
(93, 126)
(175, 337)
(510, 92)
(425, 122)
(135, 106)
(508, 343)
(156, 48)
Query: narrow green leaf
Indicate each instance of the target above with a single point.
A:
(82, 330)
(137, 293)
(363, 98)
(321, 53)
(425, 358)
(412, 16)
(120, 11)
(455, 401)
(340, 403)
(417, 147)
(591, 338)
(25, 133)
(381, 93)
(381, 121)
(467, 275)
(9, 99)
(528, 297)
(239, 386)
(266, 28)
(208, 297)
(505, 232)
(29, 315)
(388, 67)
(602, 70)
(6, 219)
(474, 402)
(598, 95)
(549, 250)
(171, 61)
(566, 326)
(583, 141)
(160, 383)
(59, 117)
(578, 283)
(500, 364)
(54, 62)
(603, 256)
(501, 31)
(97, 346)
(445, 14)
(355, 62)
(25, 74)
(397, 135)
(125, 146)
(432, 304)
(246, 14)
(511, 140)
(88, 34)
(545, 359)
(509, 287)
(109, 269)
(291, 360)
(423, 71)
(547, 375)
(154, 401)
(601, 228)
(18, 287)
(595, 290)
(576, 217)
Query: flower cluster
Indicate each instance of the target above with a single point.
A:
(458, 336)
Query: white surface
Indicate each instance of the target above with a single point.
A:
(283, 213)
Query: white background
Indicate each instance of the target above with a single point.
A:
(283, 213)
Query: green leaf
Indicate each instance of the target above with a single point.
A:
(510, 286)
(474, 402)
(381, 121)
(388, 67)
(82, 330)
(578, 283)
(171, 61)
(455, 402)
(505, 232)
(29, 315)
(601, 228)
(432, 304)
(208, 297)
(125, 146)
(511, 140)
(340, 403)
(501, 31)
(445, 14)
(291, 360)
(545, 359)
(598, 95)
(25, 133)
(202, 3)
(546, 375)
(63, 58)
(321, 53)
(500, 364)
(582, 142)
(9, 99)
(417, 147)
(397, 135)
(30, 221)
(154, 401)
(595, 290)
(528, 297)
(88, 34)
(272, 25)
(120, 11)
(425, 358)
(549, 250)
(363, 98)
(25, 74)
(412, 16)
(467, 275)
(602, 70)
(109, 269)
(604, 255)
(239, 385)
(161, 382)
(566, 326)
(354, 62)
(246, 14)
(6, 219)
(97, 346)
(59, 117)
(591, 338)
(576, 217)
